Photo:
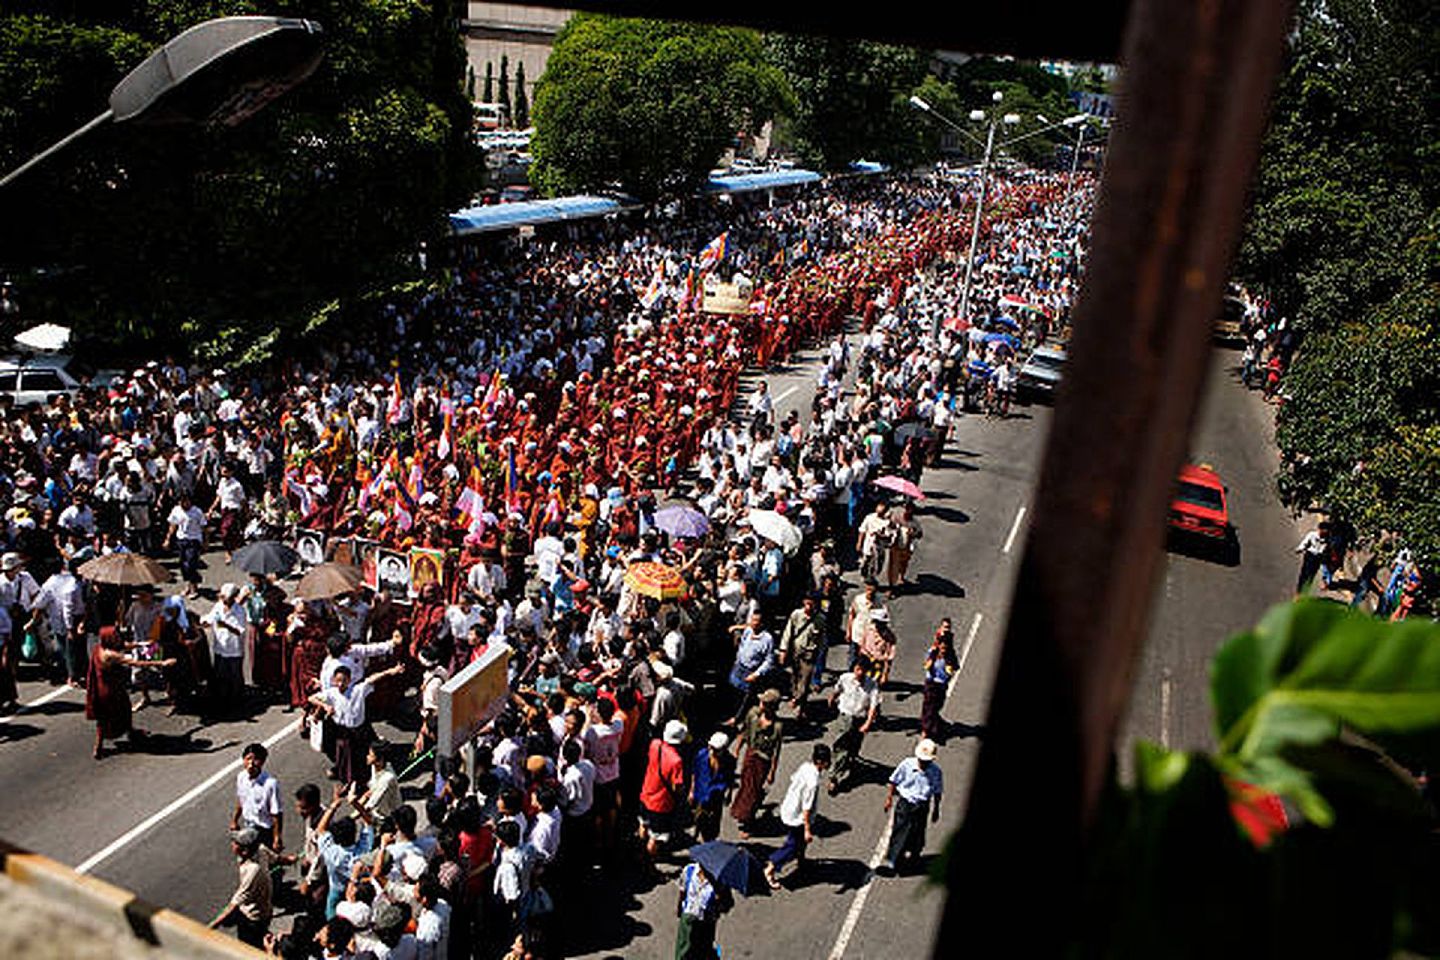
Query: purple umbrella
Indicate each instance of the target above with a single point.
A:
(681, 521)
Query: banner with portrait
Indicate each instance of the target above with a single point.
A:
(427, 566)
(310, 545)
(392, 574)
(367, 557)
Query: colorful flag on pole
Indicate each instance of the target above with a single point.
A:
(397, 398)
(653, 291)
(442, 446)
(715, 251)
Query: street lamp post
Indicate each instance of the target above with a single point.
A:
(991, 146)
(218, 72)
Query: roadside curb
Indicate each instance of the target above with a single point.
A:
(93, 901)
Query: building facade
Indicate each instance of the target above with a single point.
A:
(520, 34)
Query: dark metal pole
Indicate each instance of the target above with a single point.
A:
(1194, 101)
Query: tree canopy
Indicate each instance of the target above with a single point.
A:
(226, 240)
(1343, 237)
(851, 99)
(646, 106)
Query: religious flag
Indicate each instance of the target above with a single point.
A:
(442, 447)
(397, 397)
(293, 485)
(779, 259)
(653, 291)
(403, 520)
(415, 485)
(715, 251)
(492, 392)
(512, 480)
(802, 249)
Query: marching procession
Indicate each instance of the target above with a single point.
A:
(556, 452)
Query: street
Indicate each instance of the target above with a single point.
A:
(155, 822)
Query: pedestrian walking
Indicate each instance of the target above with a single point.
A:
(702, 902)
(878, 642)
(1312, 549)
(916, 785)
(941, 665)
(801, 643)
(663, 788)
(797, 813)
(712, 778)
(344, 703)
(876, 533)
(257, 799)
(905, 533)
(856, 697)
(760, 737)
(228, 624)
(251, 906)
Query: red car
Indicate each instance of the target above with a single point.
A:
(1199, 505)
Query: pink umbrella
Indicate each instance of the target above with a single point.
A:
(901, 486)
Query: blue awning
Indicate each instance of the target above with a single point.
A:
(743, 182)
(509, 216)
(867, 167)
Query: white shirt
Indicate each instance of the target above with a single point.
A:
(259, 798)
(432, 932)
(231, 493)
(545, 835)
(349, 706)
(384, 792)
(602, 747)
(800, 795)
(63, 600)
(578, 782)
(856, 698)
(549, 551)
(188, 524)
(228, 624)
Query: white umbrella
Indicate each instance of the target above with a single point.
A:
(775, 528)
(46, 338)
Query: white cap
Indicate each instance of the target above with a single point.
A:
(675, 732)
(719, 740)
(925, 749)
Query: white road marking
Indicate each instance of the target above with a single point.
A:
(40, 702)
(1014, 529)
(1165, 708)
(783, 394)
(149, 823)
(847, 929)
(965, 653)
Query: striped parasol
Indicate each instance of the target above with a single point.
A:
(655, 580)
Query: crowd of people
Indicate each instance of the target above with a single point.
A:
(554, 416)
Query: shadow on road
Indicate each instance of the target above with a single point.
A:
(1226, 553)
(935, 585)
(845, 874)
(948, 514)
(15, 732)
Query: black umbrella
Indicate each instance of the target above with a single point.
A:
(731, 866)
(265, 557)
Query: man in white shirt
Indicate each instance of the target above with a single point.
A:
(549, 552)
(61, 601)
(797, 813)
(257, 798)
(187, 535)
(227, 622)
(545, 832)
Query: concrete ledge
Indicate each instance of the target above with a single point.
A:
(49, 910)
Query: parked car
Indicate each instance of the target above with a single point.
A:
(1040, 373)
(1229, 325)
(37, 379)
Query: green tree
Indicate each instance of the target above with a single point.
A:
(489, 82)
(504, 97)
(228, 241)
(470, 83)
(1342, 238)
(646, 106)
(522, 99)
(851, 99)
(1029, 91)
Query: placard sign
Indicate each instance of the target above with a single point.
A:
(473, 697)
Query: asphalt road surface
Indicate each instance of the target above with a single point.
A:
(154, 822)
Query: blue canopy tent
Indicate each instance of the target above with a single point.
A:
(509, 216)
(770, 180)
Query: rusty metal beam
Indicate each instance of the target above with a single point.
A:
(1193, 105)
